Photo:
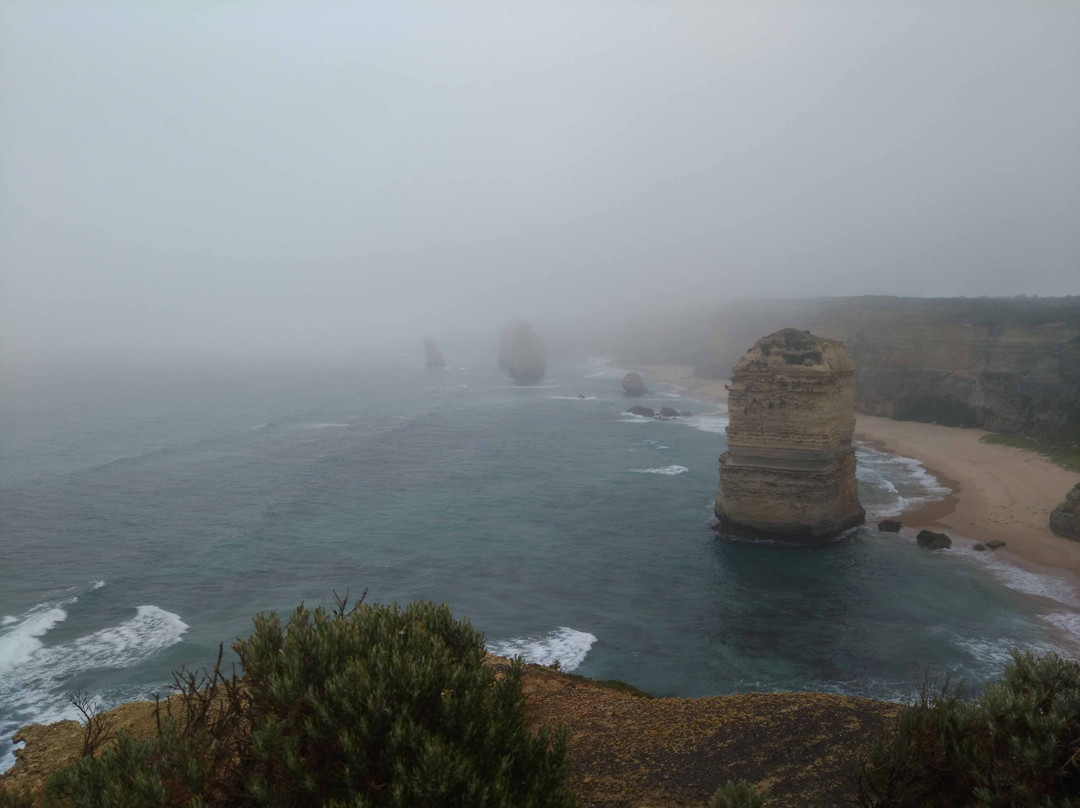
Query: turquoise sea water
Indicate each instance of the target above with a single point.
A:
(145, 516)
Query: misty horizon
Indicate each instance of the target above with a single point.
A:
(181, 184)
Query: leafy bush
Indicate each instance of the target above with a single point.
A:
(1019, 745)
(371, 706)
(736, 794)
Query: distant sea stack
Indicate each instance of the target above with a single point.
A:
(432, 357)
(522, 353)
(633, 385)
(789, 471)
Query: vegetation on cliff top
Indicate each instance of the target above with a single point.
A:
(368, 706)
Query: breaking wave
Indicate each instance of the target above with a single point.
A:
(667, 471)
(566, 646)
(35, 679)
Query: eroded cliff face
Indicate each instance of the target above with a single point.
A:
(522, 353)
(1065, 518)
(789, 471)
(1005, 364)
(953, 363)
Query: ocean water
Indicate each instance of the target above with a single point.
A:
(145, 516)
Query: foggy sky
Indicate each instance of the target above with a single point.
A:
(303, 179)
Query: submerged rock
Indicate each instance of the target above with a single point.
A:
(889, 526)
(633, 385)
(432, 357)
(648, 412)
(929, 540)
(980, 547)
(1065, 518)
(668, 412)
(996, 543)
(522, 353)
(789, 471)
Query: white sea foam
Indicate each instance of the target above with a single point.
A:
(20, 642)
(8, 620)
(36, 678)
(325, 426)
(1050, 587)
(711, 422)
(655, 444)
(667, 471)
(572, 398)
(891, 484)
(96, 585)
(566, 645)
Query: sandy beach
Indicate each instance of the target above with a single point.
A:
(997, 492)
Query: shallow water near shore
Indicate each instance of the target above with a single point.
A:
(147, 517)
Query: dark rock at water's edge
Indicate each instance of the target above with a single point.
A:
(996, 543)
(633, 385)
(980, 547)
(648, 412)
(1065, 518)
(929, 540)
(668, 412)
(581, 395)
(522, 353)
(432, 357)
(686, 413)
(889, 526)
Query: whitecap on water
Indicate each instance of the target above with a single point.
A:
(566, 646)
(35, 678)
(667, 471)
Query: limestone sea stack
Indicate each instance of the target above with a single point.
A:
(633, 385)
(522, 353)
(432, 357)
(789, 471)
(1065, 518)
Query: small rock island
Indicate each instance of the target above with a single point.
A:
(789, 471)
(633, 385)
(522, 353)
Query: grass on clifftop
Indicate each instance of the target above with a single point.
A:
(1063, 452)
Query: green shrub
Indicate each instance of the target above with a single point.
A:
(737, 794)
(1019, 745)
(373, 706)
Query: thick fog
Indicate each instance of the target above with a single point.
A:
(243, 180)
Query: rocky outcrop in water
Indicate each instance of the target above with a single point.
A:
(929, 540)
(645, 412)
(1065, 518)
(522, 353)
(432, 357)
(789, 471)
(633, 385)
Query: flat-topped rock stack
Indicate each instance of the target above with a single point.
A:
(789, 471)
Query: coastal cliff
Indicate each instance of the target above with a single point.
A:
(789, 471)
(1003, 364)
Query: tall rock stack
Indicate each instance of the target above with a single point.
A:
(522, 353)
(433, 358)
(789, 471)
